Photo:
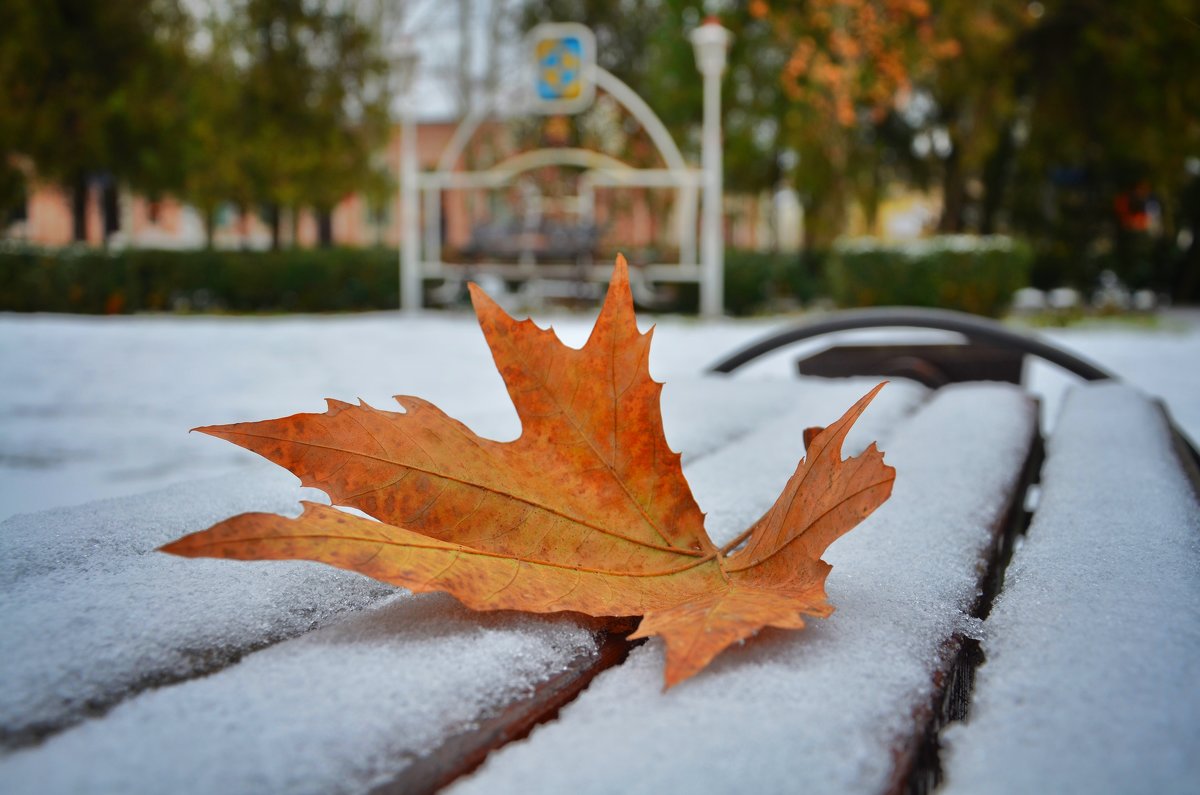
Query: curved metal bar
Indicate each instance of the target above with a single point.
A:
(645, 115)
(973, 327)
(463, 132)
(563, 156)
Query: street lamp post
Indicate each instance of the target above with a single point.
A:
(711, 42)
(410, 266)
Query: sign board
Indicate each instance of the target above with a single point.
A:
(564, 61)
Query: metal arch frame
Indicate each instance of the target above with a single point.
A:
(604, 79)
(600, 170)
(973, 327)
(645, 115)
(507, 169)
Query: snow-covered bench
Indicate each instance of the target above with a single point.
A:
(125, 670)
(1094, 644)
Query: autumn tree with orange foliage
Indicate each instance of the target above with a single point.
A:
(1031, 117)
(850, 65)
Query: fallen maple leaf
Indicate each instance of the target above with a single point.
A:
(587, 511)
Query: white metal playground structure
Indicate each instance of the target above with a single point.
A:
(421, 254)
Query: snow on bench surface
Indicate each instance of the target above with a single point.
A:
(99, 407)
(819, 710)
(91, 615)
(1093, 647)
(349, 705)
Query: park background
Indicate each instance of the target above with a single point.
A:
(218, 187)
(153, 150)
(216, 167)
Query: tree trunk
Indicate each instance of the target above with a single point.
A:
(79, 197)
(324, 228)
(995, 180)
(210, 226)
(110, 209)
(953, 195)
(243, 224)
(824, 220)
(1187, 280)
(272, 211)
(869, 195)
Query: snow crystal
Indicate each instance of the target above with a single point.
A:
(101, 407)
(1093, 647)
(341, 709)
(817, 710)
(92, 613)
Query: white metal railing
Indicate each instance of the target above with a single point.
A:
(422, 250)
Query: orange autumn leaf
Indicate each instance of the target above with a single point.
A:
(586, 511)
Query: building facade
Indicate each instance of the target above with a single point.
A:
(632, 219)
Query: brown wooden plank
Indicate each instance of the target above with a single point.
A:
(464, 752)
(917, 767)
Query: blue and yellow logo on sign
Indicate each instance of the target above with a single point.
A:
(564, 66)
(560, 68)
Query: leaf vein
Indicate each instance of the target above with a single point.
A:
(507, 495)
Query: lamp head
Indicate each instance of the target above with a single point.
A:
(711, 42)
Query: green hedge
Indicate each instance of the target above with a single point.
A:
(758, 282)
(764, 281)
(90, 281)
(98, 282)
(971, 274)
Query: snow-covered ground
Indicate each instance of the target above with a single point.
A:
(100, 407)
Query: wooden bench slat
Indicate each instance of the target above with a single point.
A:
(1093, 647)
(838, 707)
(356, 703)
(92, 614)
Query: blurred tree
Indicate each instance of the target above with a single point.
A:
(809, 95)
(851, 67)
(1113, 116)
(214, 152)
(975, 107)
(310, 107)
(263, 103)
(1056, 115)
(89, 89)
